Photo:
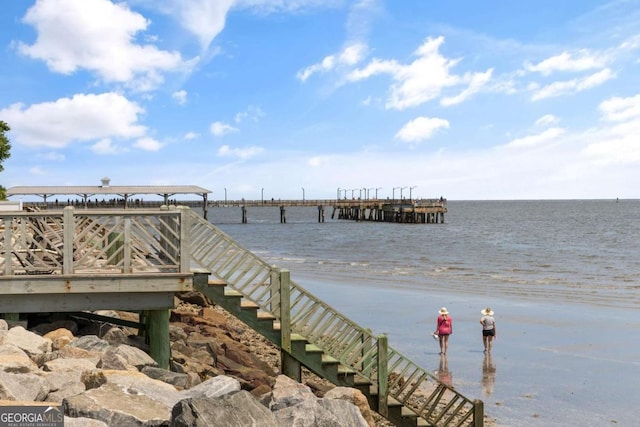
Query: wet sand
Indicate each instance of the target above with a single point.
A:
(553, 364)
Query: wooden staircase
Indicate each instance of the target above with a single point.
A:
(309, 355)
(312, 334)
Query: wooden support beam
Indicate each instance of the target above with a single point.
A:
(290, 366)
(158, 336)
(43, 303)
(383, 376)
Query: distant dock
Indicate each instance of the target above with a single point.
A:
(430, 211)
(417, 211)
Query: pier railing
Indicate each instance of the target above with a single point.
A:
(391, 372)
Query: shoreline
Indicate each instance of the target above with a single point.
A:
(552, 360)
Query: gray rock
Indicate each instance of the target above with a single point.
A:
(213, 387)
(61, 364)
(134, 356)
(13, 359)
(238, 409)
(26, 387)
(287, 392)
(109, 360)
(67, 390)
(90, 343)
(355, 397)
(178, 380)
(28, 341)
(320, 413)
(133, 382)
(176, 333)
(117, 407)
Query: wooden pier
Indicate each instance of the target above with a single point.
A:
(417, 211)
(401, 211)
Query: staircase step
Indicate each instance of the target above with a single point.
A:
(248, 305)
(264, 316)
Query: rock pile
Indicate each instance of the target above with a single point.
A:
(102, 375)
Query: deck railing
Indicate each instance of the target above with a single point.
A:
(70, 241)
(389, 370)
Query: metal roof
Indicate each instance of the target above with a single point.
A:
(122, 190)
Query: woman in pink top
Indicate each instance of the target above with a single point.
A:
(444, 329)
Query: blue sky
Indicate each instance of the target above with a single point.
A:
(461, 99)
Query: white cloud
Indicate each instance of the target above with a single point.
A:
(423, 79)
(547, 136)
(37, 170)
(148, 144)
(349, 56)
(476, 82)
(180, 96)
(251, 113)
(190, 135)
(420, 129)
(572, 86)
(619, 109)
(221, 129)
(81, 118)
(203, 18)
(580, 61)
(546, 120)
(52, 156)
(617, 144)
(99, 36)
(105, 146)
(241, 153)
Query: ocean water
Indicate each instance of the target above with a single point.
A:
(562, 276)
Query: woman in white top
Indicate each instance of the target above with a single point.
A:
(488, 328)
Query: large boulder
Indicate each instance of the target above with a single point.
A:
(213, 387)
(355, 397)
(294, 404)
(117, 407)
(23, 386)
(238, 409)
(28, 341)
(15, 360)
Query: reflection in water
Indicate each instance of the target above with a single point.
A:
(444, 375)
(488, 375)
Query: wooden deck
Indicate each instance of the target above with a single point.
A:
(72, 260)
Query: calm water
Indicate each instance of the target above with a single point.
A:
(562, 276)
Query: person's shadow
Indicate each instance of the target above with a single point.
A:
(488, 375)
(443, 372)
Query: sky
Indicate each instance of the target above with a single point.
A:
(315, 99)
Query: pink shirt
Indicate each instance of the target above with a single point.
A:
(445, 325)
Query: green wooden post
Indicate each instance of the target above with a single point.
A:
(383, 376)
(290, 366)
(158, 330)
(478, 413)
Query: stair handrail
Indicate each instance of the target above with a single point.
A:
(340, 337)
